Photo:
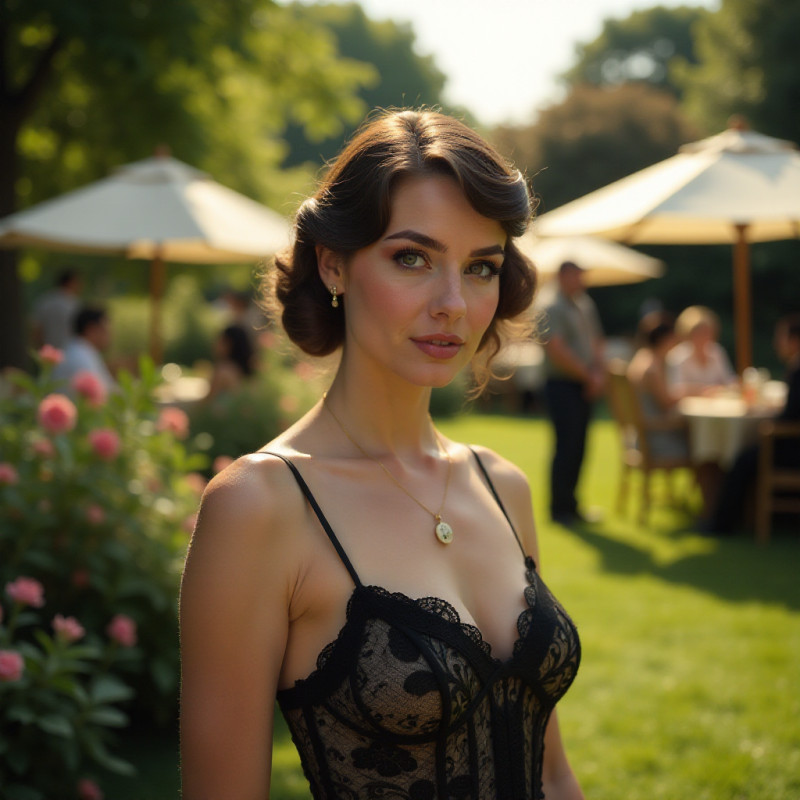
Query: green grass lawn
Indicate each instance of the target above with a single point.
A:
(690, 681)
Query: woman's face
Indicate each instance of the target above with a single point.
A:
(419, 300)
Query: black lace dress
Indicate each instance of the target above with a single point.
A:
(408, 702)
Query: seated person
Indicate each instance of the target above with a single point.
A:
(84, 351)
(233, 360)
(728, 511)
(647, 372)
(699, 362)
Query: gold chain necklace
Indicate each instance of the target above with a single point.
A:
(444, 533)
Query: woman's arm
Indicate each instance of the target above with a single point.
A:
(234, 615)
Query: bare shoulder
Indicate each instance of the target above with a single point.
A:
(250, 515)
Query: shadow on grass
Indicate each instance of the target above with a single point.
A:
(735, 568)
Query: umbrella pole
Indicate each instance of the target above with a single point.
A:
(742, 303)
(157, 280)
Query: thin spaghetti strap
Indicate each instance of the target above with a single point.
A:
(320, 516)
(497, 498)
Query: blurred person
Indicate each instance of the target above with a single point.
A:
(739, 481)
(647, 372)
(84, 351)
(375, 577)
(54, 313)
(699, 362)
(233, 360)
(575, 372)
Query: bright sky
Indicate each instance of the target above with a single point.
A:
(502, 57)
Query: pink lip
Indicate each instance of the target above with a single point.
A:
(439, 345)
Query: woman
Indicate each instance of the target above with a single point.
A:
(233, 361)
(648, 373)
(306, 557)
(699, 363)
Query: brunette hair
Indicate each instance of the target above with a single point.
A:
(352, 207)
(655, 327)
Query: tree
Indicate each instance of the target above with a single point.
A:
(400, 76)
(642, 47)
(86, 86)
(595, 136)
(749, 63)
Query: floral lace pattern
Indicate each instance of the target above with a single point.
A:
(408, 702)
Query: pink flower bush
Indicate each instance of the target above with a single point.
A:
(44, 448)
(89, 790)
(68, 629)
(105, 443)
(26, 591)
(51, 355)
(95, 514)
(12, 665)
(88, 385)
(174, 420)
(8, 474)
(57, 413)
(122, 629)
(288, 403)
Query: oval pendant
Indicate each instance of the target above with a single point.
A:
(444, 533)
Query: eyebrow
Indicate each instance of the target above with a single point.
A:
(439, 247)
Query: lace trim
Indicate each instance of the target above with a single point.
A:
(442, 609)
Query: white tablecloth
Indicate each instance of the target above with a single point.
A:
(720, 427)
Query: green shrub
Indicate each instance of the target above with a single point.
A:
(96, 503)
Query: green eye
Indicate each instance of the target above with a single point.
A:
(410, 259)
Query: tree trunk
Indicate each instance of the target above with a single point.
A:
(12, 327)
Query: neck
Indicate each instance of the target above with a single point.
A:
(383, 416)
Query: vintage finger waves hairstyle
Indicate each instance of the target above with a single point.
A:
(352, 207)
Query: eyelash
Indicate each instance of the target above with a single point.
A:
(494, 269)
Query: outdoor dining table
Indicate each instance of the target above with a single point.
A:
(721, 426)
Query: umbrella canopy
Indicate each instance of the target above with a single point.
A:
(738, 186)
(605, 263)
(158, 209)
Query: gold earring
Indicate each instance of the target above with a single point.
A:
(334, 298)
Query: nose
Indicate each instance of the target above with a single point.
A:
(448, 299)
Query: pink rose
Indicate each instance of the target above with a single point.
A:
(305, 371)
(105, 443)
(288, 403)
(89, 790)
(8, 474)
(175, 421)
(122, 629)
(57, 413)
(90, 386)
(51, 355)
(26, 591)
(221, 463)
(12, 665)
(68, 629)
(95, 514)
(44, 448)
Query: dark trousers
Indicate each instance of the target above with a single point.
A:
(739, 482)
(570, 412)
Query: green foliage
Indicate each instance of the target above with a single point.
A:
(593, 137)
(398, 75)
(103, 525)
(749, 64)
(56, 717)
(641, 47)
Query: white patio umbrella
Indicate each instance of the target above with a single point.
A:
(738, 186)
(158, 209)
(606, 263)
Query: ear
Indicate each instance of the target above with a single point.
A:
(331, 268)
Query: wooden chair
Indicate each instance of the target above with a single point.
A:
(777, 488)
(633, 427)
